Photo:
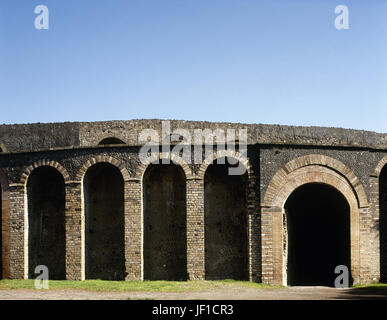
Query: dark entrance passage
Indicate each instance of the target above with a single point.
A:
(318, 230)
(104, 223)
(225, 209)
(383, 224)
(165, 223)
(46, 222)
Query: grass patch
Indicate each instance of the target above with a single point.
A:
(248, 284)
(122, 286)
(380, 286)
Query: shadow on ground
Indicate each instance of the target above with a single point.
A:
(368, 293)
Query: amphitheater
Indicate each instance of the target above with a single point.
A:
(76, 197)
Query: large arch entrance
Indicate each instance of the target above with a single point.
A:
(46, 222)
(225, 212)
(165, 226)
(317, 234)
(309, 169)
(383, 223)
(103, 188)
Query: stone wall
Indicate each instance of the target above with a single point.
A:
(279, 159)
(43, 136)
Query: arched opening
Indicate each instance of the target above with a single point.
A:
(316, 235)
(46, 222)
(103, 188)
(110, 140)
(383, 223)
(225, 210)
(165, 223)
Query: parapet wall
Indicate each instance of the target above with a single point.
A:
(35, 137)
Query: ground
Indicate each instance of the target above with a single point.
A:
(164, 290)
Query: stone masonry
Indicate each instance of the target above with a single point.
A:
(279, 160)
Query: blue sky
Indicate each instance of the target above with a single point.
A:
(251, 61)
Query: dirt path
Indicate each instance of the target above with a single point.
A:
(229, 293)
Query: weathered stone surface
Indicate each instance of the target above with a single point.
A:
(43, 136)
(279, 159)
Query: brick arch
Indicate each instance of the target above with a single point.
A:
(324, 175)
(170, 156)
(282, 176)
(221, 154)
(41, 163)
(315, 174)
(102, 159)
(380, 166)
(300, 171)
